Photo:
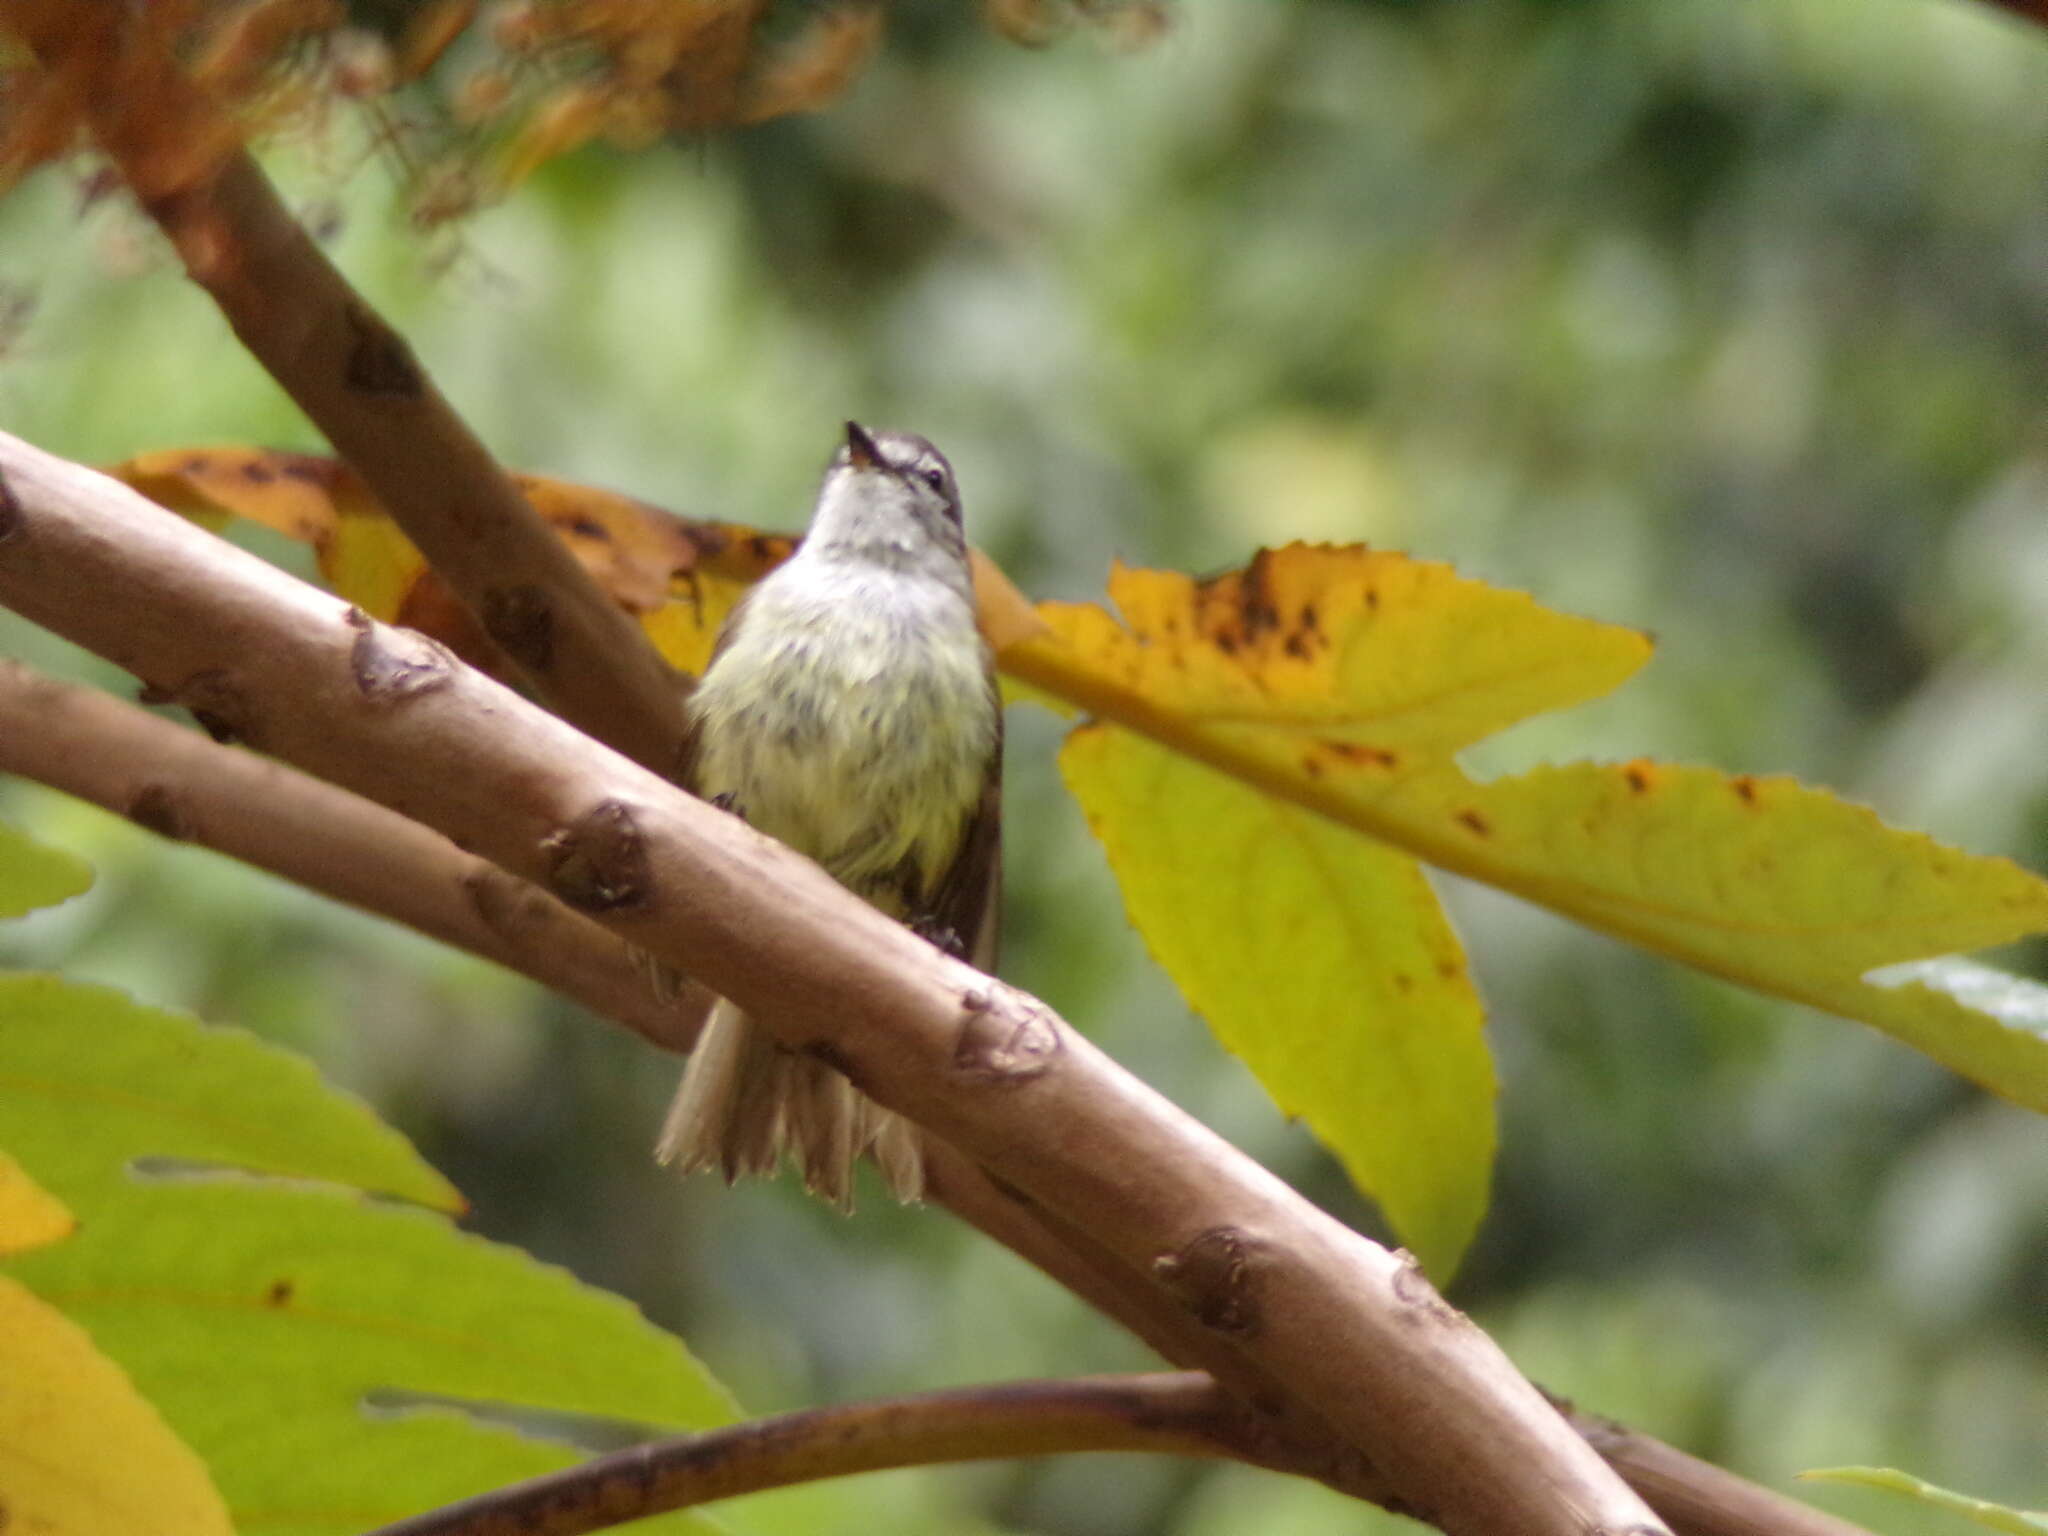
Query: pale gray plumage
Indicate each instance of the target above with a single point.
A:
(850, 711)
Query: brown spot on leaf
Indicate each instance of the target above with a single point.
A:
(1312, 765)
(1216, 1278)
(1475, 823)
(1745, 788)
(256, 472)
(1004, 1041)
(155, 809)
(1359, 754)
(310, 468)
(589, 528)
(1296, 645)
(279, 1294)
(1260, 612)
(599, 863)
(390, 665)
(379, 360)
(1638, 778)
(1403, 982)
(522, 620)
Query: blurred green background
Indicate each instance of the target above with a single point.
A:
(1725, 320)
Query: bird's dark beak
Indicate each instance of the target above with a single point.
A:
(860, 448)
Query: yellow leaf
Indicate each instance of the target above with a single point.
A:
(1342, 681)
(1316, 651)
(1319, 958)
(81, 1452)
(30, 1216)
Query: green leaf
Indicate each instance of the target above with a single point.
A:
(34, 875)
(91, 1081)
(1763, 881)
(242, 1256)
(1997, 1517)
(1322, 960)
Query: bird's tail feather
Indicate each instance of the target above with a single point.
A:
(746, 1099)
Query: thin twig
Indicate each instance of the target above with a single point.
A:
(359, 382)
(1696, 1495)
(1356, 1333)
(178, 783)
(1178, 1414)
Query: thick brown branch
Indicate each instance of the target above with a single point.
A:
(358, 381)
(178, 783)
(181, 785)
(1695, 1498)
(1356, 1333)
(1183, 1414)
(329, 840)
(1098, 1277)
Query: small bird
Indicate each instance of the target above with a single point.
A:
(849, 710)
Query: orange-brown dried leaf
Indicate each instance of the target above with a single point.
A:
(42, 117)
(680, 577)
(293, 493)
(814, 70)
(429, 33)
(705, 77)
(115, 70)
(569, 119)
(245, 46)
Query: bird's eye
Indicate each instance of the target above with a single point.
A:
(935, 478)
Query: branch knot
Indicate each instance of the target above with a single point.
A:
(1216, 1277)
(1004, 1039)
(391, 665)
(599, 862)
